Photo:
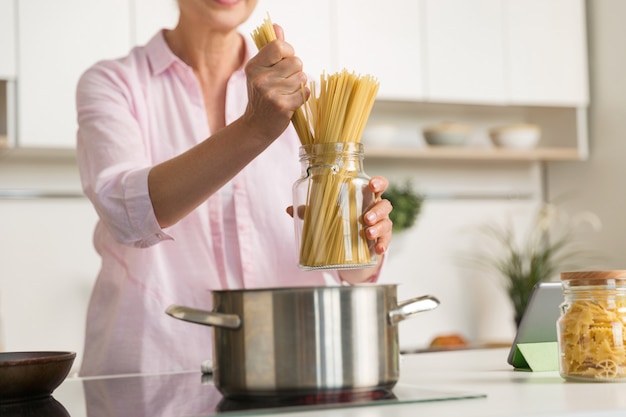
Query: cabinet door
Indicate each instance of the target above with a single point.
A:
(547, 57)
(383, 41)
(57, 41)
(7, 39)
(151, 16)
(464, 51)
(307, 28)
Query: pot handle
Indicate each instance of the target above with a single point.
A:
(207, 318)
(409, 308)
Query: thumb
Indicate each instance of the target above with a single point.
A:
(280, 33)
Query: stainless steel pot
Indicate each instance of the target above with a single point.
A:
(298, 341)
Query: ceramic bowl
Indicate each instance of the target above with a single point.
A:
(380, 134)
(447, 134)
(25, 376)
(517, 136)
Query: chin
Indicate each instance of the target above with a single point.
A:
(230, 14)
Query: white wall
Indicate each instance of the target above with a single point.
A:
(47, 262)
(599, 184)
(431, 257)
(428, 259)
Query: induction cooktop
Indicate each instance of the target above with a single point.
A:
(193, 394)
(401, 393)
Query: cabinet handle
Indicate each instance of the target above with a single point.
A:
(502, 195)
(39, 194)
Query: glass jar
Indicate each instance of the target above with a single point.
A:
(329, 201)
(592, 327)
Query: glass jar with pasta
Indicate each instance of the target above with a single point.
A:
(592, 327)
(330, 199)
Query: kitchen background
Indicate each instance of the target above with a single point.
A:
(557, 63)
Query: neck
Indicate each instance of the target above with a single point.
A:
(210, 54)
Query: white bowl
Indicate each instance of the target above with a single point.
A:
(518, 136)
(447, 134)
(380, 134)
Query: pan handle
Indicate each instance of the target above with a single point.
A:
(207, 318)
(409, 308)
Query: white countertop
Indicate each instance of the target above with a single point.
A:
(508, 392)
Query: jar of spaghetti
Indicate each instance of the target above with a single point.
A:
(330, 199)
(592, 327)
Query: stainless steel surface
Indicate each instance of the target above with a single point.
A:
(409, 308)
(309, 340)
(207, 318)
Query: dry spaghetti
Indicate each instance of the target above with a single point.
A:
(332, 231)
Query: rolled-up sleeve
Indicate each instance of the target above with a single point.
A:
(113, 158)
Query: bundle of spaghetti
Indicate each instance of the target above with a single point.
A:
(332, 231)
(263, 35)
(337, 115)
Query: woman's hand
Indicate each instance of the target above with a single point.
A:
(378, 225)
(276, 88)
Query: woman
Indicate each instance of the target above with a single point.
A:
(186, 151)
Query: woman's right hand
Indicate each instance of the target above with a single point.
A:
(277, 87)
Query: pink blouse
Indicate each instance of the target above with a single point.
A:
(133, 113)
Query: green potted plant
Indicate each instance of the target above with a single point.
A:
(407, 205)
(548, 247)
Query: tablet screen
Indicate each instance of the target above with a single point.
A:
(538, 322)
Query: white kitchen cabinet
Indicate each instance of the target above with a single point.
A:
(57, 41)
(7, 39)
(150, 16)
(374, 38)
(307, 26)
(527, 53)
(7, 114)
(464, 51)
(547, 52)
(523, 52)
(8, 72)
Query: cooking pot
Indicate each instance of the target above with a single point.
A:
(282, 342)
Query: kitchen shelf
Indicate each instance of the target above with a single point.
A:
(473, 154)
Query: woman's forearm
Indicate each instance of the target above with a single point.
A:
(179, 185)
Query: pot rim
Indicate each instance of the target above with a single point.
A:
(307, 287)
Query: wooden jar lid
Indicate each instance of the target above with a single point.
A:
(593, 277)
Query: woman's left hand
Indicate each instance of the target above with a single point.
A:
(378, 225)
(377, 228)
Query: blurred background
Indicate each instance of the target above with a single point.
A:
(453, 74)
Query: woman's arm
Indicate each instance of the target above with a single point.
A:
(274, 78)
